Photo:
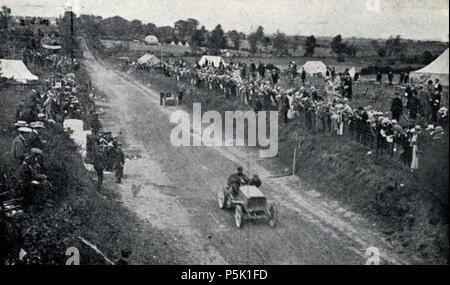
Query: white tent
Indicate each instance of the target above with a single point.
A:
(437, 69)
(212, 60)
(148, 58)
(172, 43)
(16, 69)
(315, 67)
(180, 44)
(151, 40)
(186, 44)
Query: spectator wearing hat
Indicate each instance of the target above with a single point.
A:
(390, 77)
(19, 145)
(414, 105)
(396, 107)
(284, 107)
(303, 76)
(31, 177)
(379, 77)
(443, 117)
(20, 111)
(275, 77)
(425, 108)
(348, 93)
(437, 86)
(262, 70)
(435, 102)
(35, 139)
(406, 78)
(99, 163)
(333, 73)
(415, 151)
(119, 161)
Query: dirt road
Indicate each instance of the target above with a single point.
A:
(179, 187)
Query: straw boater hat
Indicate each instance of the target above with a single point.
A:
(37, 125)
(25, 130)
(429, 127)
(36, 151)
(21, 124)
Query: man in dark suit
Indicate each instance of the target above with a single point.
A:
(396, 107)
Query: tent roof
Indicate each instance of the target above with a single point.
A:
(436, 69)
(314, 67)
(438, 66)
(212, 59)
(148, 58)
(151, 39)
(16, 69)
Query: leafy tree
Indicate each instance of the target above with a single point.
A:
(116, 27)
(259, 33)
(337, 46)
(5, 16)
(280, 43)
(266, 41)
(381, 51)
(166, 34)
(150, 29)
(185, 29)
(393, 45)
(217, 38)
(255, 38)
(374, 44)
(199, 37)
(235, 38)
(135, 27)
(350, 50)
(67, 30)
(310, 45)
(253, 41)
(427, 57)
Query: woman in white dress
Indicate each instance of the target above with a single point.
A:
(415, 150)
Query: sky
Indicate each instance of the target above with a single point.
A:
(414, 19)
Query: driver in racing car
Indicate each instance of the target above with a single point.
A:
(236, 180)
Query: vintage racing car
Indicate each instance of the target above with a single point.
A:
(249, 204)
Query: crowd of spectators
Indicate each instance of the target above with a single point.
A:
(416, 110)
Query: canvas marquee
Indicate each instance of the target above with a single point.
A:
(438, 69)
(148, 58)
(16, 70)
(212, 60)
(151, 40)
(315, 67)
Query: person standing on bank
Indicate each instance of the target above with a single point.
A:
(99, 163)
(119, 161)
(396, 107)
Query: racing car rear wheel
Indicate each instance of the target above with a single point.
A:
(272, 215)
(221, 198)
(238, 216)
